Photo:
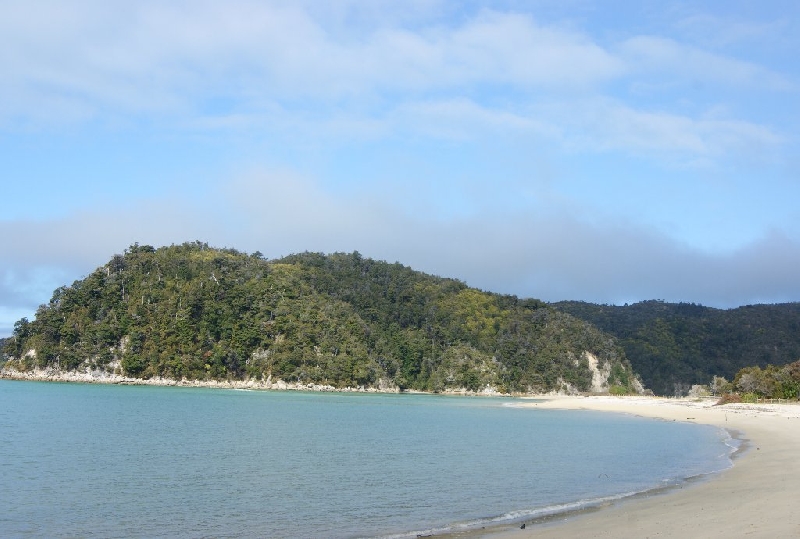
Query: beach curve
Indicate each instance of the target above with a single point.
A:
(755, 498)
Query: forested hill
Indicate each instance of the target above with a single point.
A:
(674, 345)
(194, 312)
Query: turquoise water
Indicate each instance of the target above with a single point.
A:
(121, 461)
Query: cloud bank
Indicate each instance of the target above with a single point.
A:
(552, 256)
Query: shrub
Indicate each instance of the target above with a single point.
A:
(729, 398)
(618, 390)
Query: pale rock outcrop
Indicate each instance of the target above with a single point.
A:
(599, 374)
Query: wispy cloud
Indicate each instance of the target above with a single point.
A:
(670, 59)
(276, 63)
(155, 56)
(603, 124)
(722, 32)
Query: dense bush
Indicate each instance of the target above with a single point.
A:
(754, 383)
(191, 311)
(676, 345)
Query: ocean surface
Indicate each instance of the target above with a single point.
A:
(140, 461)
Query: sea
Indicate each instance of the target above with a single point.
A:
(86, 460)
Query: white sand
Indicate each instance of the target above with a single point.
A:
(758, 497)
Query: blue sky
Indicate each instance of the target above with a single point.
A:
(603, 151)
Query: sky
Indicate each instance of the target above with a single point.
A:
(605, 151)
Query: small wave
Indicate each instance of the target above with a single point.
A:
(515, 516)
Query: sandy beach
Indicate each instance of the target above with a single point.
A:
(757, 497)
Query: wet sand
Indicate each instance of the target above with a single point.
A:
(758, 497)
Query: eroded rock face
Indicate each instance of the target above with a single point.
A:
(599, 374)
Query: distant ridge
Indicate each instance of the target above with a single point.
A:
(193, 312)
(675, 345)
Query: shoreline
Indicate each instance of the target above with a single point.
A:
(756, 497)
(97, 376)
